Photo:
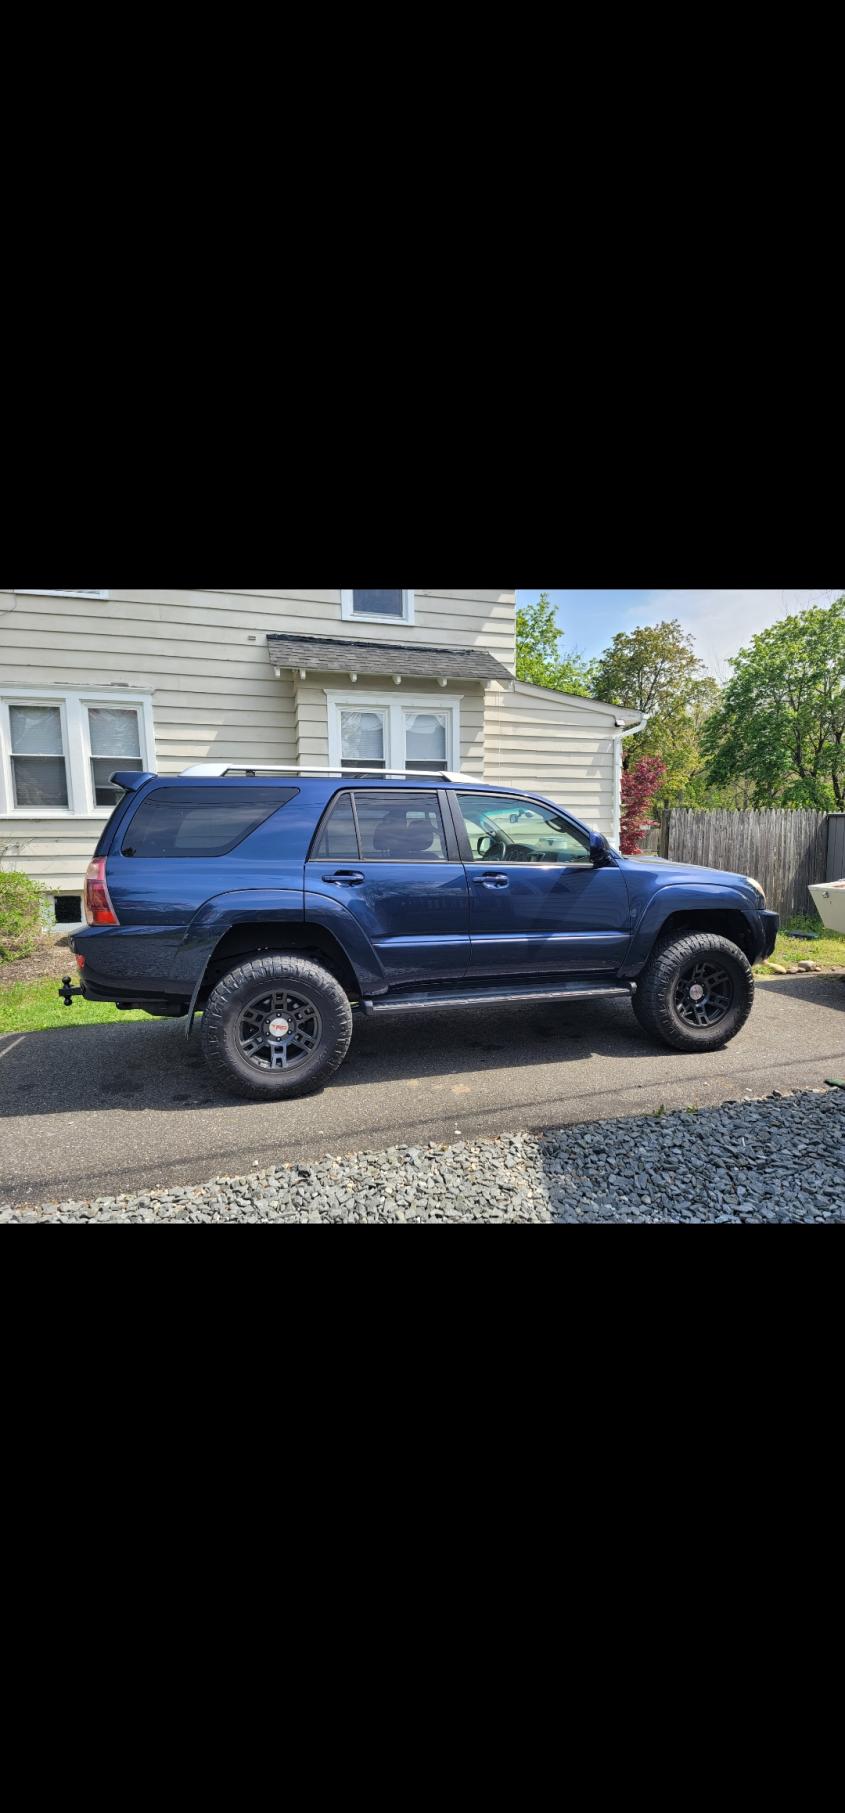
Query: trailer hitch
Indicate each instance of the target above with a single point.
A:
(67, 992)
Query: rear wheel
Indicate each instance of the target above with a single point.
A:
(695, 993)
(276, 1026)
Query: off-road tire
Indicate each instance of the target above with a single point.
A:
(654, 1000)
(249, 981)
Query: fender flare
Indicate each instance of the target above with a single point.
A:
(290, 906)
(676, 897)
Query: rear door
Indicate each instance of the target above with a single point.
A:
(538, 904)
(390, 857)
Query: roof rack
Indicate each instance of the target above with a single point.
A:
(219, 771)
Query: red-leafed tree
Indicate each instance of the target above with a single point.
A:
(640, 783)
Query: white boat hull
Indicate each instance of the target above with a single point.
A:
(829, 897)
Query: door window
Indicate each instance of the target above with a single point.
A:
(400, 827)
(507, 829)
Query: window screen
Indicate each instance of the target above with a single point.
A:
(399, 827)
(193, 821)
(338, 841)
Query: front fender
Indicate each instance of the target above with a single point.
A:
(702, 897)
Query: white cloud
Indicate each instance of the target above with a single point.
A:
(723, 622)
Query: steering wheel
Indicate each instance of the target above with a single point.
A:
(491, 846)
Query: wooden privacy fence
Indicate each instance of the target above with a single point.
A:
(782, 849)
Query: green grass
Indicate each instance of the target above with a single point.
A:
(34, 1006)
(827, 948)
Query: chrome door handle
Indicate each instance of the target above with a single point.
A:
(345, 877)
(491, 879)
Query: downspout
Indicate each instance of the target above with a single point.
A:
(630, 730)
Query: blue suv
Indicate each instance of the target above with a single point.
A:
(277, 901)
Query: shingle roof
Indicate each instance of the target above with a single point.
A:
(336, 654)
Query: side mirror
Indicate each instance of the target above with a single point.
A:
(598, 848)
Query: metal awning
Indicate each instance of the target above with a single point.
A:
(336, 654)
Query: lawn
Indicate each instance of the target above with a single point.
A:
(827, 949)
(32, 1006)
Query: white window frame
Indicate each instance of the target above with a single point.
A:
(349, 614)
(76, 742)
(395, 706)
(23, 591)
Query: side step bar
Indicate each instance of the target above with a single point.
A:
(484, 997)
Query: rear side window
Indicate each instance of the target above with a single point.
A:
(399, 827)
(199, 821)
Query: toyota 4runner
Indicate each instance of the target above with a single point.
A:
(275, 902)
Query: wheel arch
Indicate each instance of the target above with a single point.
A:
(682, 911)
(256, 938)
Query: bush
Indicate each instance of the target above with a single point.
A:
(20, 915)
(639, 786)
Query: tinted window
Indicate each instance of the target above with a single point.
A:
(338, 839)
(400, 827)
(194, 821)
(509, 829)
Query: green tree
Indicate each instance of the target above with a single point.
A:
(538, 658)
(655, 669)
(780, 725)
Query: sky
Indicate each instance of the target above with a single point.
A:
(721, 622)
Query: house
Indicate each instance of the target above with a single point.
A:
(91, 681)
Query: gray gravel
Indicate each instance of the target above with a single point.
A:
(777, 1159)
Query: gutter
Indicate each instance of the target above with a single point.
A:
(622, 730)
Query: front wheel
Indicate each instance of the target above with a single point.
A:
(276, 1026)
(695, 993)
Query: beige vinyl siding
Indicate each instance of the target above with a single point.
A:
(547, 744)
(55, 852)
(202, 659)
(225, 619)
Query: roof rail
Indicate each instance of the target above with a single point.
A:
(219, 770)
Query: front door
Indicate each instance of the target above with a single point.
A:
(389, 858)
(538, 904)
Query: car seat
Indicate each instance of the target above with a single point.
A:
(395, 837)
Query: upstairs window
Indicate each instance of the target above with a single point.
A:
(378, 607)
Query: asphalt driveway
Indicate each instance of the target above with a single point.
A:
(95, 1110)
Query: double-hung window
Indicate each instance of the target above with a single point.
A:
(370, 732)
(37, 756)
(57, 753)
(378, 607)
(114, 739)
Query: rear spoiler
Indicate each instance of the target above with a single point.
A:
(129, 779)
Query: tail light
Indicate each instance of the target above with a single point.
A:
(96, 900)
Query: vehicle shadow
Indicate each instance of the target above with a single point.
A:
(149, 1067)
(141, 1066)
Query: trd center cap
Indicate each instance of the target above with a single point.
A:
(696, 992)
(278, 1027)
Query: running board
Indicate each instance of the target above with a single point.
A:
(485, 997)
